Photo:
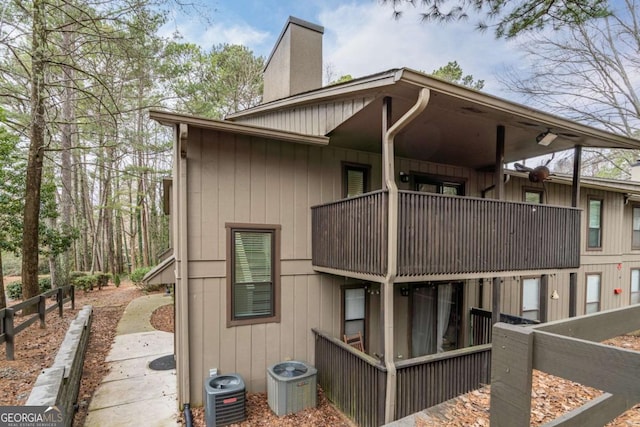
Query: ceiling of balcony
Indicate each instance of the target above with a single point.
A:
(459, 131)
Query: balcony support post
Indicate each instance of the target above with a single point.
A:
(495, 300)
(575, 202)
(500, 133)
(388, 159)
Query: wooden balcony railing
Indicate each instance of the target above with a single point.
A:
(440, 234)
(429, 380)
(354, 381)
(351, 234)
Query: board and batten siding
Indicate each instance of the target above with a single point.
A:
(316, 119)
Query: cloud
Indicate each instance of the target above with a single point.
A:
(364, 39)
(231, 33)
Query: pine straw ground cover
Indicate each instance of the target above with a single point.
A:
(36, 348)
(551, 397)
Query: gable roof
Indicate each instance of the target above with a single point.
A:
(459, 123)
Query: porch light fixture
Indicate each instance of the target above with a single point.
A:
(404, 177)
(546, 138)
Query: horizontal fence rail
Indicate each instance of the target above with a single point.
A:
(429, 380)
(440, 234)
(568, 349)
(354, 381)
(8, 327)
(351, 234)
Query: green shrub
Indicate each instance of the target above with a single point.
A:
(14, 290)
(116, 280)
(86, 283)
(102, 279)
(44, 283)
(137, 275)
(75, 274)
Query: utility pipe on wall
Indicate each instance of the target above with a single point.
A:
(392, 242)
(182, 270)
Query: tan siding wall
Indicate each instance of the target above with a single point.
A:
(318, 119)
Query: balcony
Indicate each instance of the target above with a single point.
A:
(444, 235)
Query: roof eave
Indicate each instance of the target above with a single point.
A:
(171, 119)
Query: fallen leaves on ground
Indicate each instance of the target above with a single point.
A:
(551, 397)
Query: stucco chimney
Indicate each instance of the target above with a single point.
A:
(635, 171)
(295, 64)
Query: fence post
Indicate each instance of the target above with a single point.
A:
(72, 292)
(60, 300)
(8, 324)
(42, 306)
(511, 375)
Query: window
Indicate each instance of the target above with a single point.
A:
(635, 239)
(594, 237)
(593, 294)
(533, 196)
(531, 298)
(355, 179)
(436, 310)
(635, 286)
(354, 311)
(438, 184)
(253, 274)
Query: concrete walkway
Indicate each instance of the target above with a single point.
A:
(132, 394)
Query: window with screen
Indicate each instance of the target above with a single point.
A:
(593, 294)
(354, 311)
(635, 286)
(253, 279)
(438, 184)
(531, 298)
(635, 232)
(355, 179)
(594, 231)
(533, 196)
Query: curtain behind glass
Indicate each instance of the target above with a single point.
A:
(445, 292)
(423, 333)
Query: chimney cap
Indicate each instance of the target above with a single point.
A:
(300, 23)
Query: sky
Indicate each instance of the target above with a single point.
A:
(361, 36)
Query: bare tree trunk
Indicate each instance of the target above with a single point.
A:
(3, 298)
(36, 157)
(66, 135)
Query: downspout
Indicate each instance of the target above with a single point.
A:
(182, 274)
(392, 247)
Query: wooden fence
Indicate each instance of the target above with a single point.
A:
(569, 349)
(8, 328)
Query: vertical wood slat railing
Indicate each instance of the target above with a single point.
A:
(481, 326)
(440, 234)
(354, 381)
(8, 329)
(429, 380)
(351, 234)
